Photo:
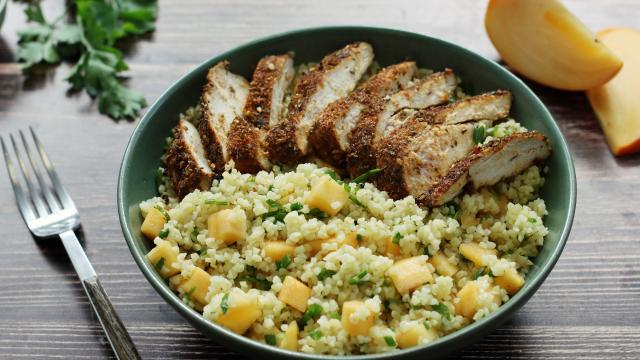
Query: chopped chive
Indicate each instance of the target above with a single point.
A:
(224, 304)
(163, 212)
(163, 233)
(251, 179)
(259, 281)
(479, 134)
(332, 174)
(442, 309)
(390, 340)
(216, 202)
(426, 325)
(396, 238)
(335, 315)
(160, 263)
(478, 273)
(194, 235)
(325, 273)
(270, 188)
(273, 204)
(364, 177)
(313, 311)
(296, 206)
(315, 334)
(533, 220)
(358, 278)
(270, 339)
(283, 263)
(317, 213)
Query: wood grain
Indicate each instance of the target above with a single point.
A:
(587, 308)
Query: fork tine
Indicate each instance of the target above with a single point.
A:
(41, 209)
(23, 203)
(51, 200)
(62, 194)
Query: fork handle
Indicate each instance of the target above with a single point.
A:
(117, 334)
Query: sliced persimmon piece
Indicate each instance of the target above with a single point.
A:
(616, 102)
(545, 42)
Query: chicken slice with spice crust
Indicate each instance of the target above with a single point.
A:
(187, 166)
(336, 76)
(263, 109)
(223, 99)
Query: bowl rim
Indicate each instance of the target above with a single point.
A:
(241, 343)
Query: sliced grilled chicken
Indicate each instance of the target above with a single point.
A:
(433, 90)
(418, 155)
(336, 76)
(187, 166)
(264, 108)
(487, 165)
(329, 135)
(223, 99)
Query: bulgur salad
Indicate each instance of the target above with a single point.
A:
(321, 256)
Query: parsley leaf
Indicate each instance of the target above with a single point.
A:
(224, 304)
(325, 273)
(270, 339)
(283, 263)
(317, 213)
(396, 238)
(90, 39)
(442, 309)
(315, 334)
(163, 233)
(296, 206)
(358, 279)
(257, 280)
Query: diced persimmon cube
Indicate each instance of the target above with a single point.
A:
(228, 225)
(391, 249)
(294, 293)
(315, 245)
(511, 281)
(197, 285)
(468, 300)
(343, 239)
(442, 264)
(290, 338)
(242, 311)
(328, 196)
(361, 321)
(276, 250)
(153, 223)
(162, 257)
(476, 253)
(408, 274)
(415, 334)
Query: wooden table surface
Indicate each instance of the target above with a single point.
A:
(587, 308)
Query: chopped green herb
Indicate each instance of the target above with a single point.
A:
(332, 174)
(194, 235)
(355, 200)
(426, 325)
(163, 212)
(202, 252)
(533, 220)
(216, 202)
(390, 340)
(442, 309)
(426, 251)
(358, 278)
(479, 134)
(160, 263)
(453, 210)
(273, 204)
(163, 233)
(364, 177)
(325, 273)
(313, 311)
(296, 206)
(396, 238)
(251, 179)
(259, 281)
(478, 273)
(270, 339)
(270, 188)
(250, 269)
(283, 263)
(317, 213)
(315, 334)
(224, 304)
(359, 237)
(335, 315)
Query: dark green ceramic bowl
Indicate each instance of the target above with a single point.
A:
(142, 157)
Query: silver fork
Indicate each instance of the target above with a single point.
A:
(49, 211)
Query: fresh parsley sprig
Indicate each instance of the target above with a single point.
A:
(90, 38)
